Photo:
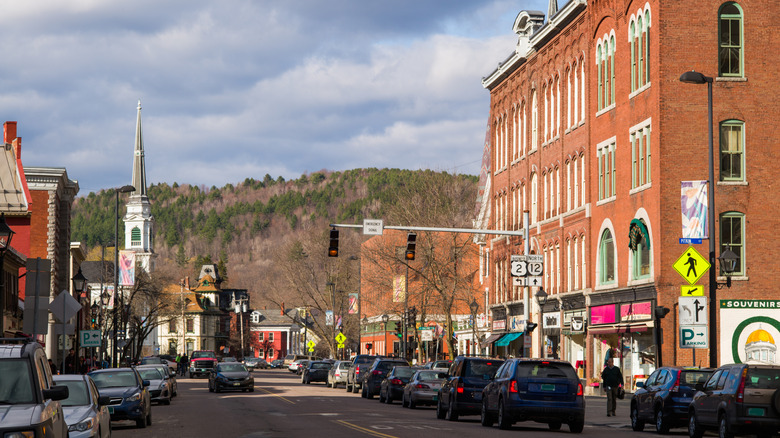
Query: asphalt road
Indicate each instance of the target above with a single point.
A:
(282, 407)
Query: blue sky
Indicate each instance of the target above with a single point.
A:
(236, 89)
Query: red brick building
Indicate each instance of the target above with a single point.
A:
(592, 132)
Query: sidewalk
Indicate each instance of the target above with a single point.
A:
(596, 412)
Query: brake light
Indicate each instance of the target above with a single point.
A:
(376, 372)
(357, 370)
(676, 386)
(741, 389)
(460, 388)
(422, 386)
(489, 363)
(513, 386)
(396, 382)
(545, 363)
(579, 389)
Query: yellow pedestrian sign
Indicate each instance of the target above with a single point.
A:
(311, 345)
(340, 338)
(695, 290)
(691, 265)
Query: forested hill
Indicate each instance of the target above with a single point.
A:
(240, 222)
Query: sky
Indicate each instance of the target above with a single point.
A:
(237, 89)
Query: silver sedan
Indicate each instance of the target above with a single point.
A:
(86, 413)
(423, 388)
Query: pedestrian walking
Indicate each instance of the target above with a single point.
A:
(612, 379)
(70, 362)
(183, 363)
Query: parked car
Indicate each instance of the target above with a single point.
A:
(86, 411)
(170, 376)
(423, 388)
(540, 390)
(159, 360)
(665, 396)
(738, 399)
(372, 380)
(202, 362)
(360, 364)
(338, 374)
(442, 365)
(232, 376)
(461, 393)
(316, 371)
(297, 366)
(253, 363)
(159, 388)
(392, 386)
(29, 399)
(290, 358)
(128, 393)
(227, 359)
(277, 363)
(170, 360)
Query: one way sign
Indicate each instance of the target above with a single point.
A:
(693, 311)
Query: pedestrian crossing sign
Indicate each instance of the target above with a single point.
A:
(691, 265)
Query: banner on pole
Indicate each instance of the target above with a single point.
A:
(694, 204)
(126, 268)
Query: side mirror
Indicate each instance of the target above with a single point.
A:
(640, 384)
(56, 393)
(147, 383)
(104, 400)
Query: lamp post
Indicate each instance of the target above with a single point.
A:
(474, 306)
(241, 308)
(79, 286)
(360, 304)
(385, 318)
(6, 234)
(104, 299)
(123, 189)
(541, 299)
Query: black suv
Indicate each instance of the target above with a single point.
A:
(360, 364)
(29, 399)
(372, 379)
(664, 397)
(461, 393)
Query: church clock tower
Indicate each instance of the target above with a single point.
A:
(139, 223)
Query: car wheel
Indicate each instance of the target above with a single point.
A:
(216, 388)
(251, 389)
(382, 398)
(503, 419)
(347, 387)
(555, 425)
(363, 392)
(694, 428)
(403, 400)
(369, 393)
(440, 414)
(637, 425)
(776, 400)
(411, 403)
(452, 413)
(388, 398)
(149, 417)
(724, 431)
(211, 389)
(661, 422)
(485, 418)
(577, 426)
(355, 388)
(167, 402)
(140, 423)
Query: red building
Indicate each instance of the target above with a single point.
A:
(274, 334)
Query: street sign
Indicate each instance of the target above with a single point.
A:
(518, 281)
(691, 265)
(64, 307)
(535, 268)
(373, 227)
(90, 338)
(689, 241)
(694, 336)
(533, 281)
(340, 338)
(311, 345)
(518, 268)
(693, 310)
(696, 290)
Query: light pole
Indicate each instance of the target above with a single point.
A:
(79, 286)
(385, 318)
(123, 189)
(694, 77)
(360, 304)
(241, 308)
(541, 299)
(474, 306)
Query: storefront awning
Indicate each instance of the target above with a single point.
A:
(491, 339)
(507, 338)
(621, 328)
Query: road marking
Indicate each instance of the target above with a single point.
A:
(364, 430)
(277, 395)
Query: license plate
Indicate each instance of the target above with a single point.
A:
(110, 410)
(548, 387)
(236, 384)
(756, 412)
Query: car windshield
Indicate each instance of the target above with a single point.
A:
(482, 368)
(368, 359)
(15, 382)
(430, 375)
(403, 371)
(548, 370)
(150, 373)
(763, 378)
(231, 367)
(441, 364)
(387, 366)
(344, 365)
(114, 379)
(693, 377)
(150, 360)
(321, 366)
(202, 354)
(77, 392)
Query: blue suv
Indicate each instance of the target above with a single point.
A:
(128, 394)
(541, 390)
(461, 393)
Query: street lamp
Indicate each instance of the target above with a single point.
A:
(385, 318)
(474, 306)
(123, 189)
(541, 299)
(694, 77)
(79, 286)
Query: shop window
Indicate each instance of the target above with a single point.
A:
(607, 258)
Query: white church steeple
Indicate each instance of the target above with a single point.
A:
(139, 223)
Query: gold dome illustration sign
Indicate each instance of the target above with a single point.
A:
(691, 265)
(750, 330)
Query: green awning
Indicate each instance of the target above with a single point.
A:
(637, 232)
(507, 338)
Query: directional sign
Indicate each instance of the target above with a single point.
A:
(90, 338)
(696, 290)
(518, 281)
(340, 338)
(533, 281)
(691, 265)
(693, 311)
(694, 336)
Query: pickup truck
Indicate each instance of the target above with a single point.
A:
(359, 366)
(202, 362)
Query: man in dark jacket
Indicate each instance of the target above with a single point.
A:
(183, 364)
(612, 379)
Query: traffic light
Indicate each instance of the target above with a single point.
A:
(530, 326)
(333, 249)
(661, 311)
(411, 245)
(412, 316)
(399, 331)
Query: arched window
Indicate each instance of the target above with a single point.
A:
(611, 97)
(732, 236)
(639, 245)
(732, 150)
(534, 121)
(632, 43)
(730, 41)
(534, 197)
(600, 79)
(135, 236)
(606, 258)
